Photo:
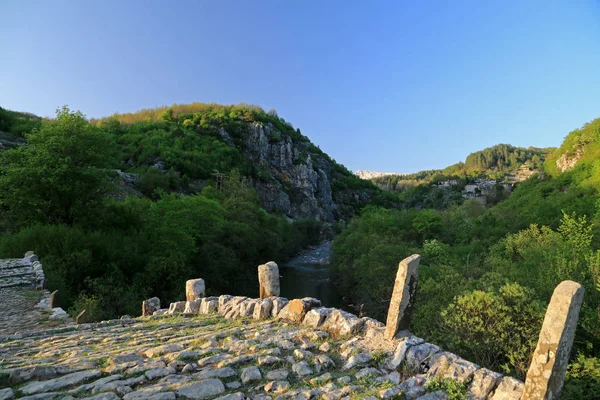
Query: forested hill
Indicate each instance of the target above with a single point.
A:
(180, 148)
(493, 162)
(133, 205)
(487, 273)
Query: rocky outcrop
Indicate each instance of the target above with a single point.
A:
(363, 174)
(299, 188)
(567, 162)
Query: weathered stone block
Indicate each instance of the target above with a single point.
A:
(54, 299)
(419, 356)
(223, 300)
(403, 297)
(262, 310)
(482, 384)
(246, 308)
(278, 304)
(177, 307)
(461, 370)
(508, 389)
(209, 305)
(192, 306)
(195, 289)
(231, 305)
(439, 363)
(546, 374)
(401, 349)
(315, 317)
(340, 322)
(150, 306)
(268, 280)
(296, 309)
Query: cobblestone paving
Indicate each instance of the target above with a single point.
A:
(18, 299)
(206, 357)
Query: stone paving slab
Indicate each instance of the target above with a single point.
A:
(209, 357)
(23, 308)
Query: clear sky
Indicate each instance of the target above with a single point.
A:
(389, 86)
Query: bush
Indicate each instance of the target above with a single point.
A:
(496, 329)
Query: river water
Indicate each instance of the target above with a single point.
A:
(307, 275)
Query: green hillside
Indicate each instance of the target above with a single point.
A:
(487, 274)
(493, 162)
(129, 206)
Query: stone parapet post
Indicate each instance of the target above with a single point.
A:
(195, 289)
(548, 367)
(268, 280)
(403, 297)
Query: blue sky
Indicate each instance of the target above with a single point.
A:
(389, 86)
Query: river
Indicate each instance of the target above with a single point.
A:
(307, 275)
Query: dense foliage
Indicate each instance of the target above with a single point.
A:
(105, 255)
(487, 274)
(17, 123)
(194, 141)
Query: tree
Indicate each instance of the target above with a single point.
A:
(57, 177)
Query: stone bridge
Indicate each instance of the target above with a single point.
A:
(24, 303)
(236, 348)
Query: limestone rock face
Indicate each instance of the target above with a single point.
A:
(195, 289)
(150, 305)
(301, 179)
(268, 280)
(567, 162)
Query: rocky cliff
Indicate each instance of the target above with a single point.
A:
(298, 185)
(291, 175)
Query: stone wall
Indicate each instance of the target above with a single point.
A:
(26, 304)
(407, 352)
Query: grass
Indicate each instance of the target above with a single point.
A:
(102, 362)
(31, 294)
(454, 389)
(379, 357)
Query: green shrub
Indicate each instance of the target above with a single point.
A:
(496, 329)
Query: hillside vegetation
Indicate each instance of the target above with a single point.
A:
(493, 162)
(107, 243)
(487, 274)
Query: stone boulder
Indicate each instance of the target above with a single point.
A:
(315, 317)
(263, 309)
(177, 307)
(209, 305)
(340, 322)
(296, 310)
(192, 306)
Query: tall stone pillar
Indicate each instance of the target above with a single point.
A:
(268, 280)
(403, 297)
(548, 367)
(195, 289)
